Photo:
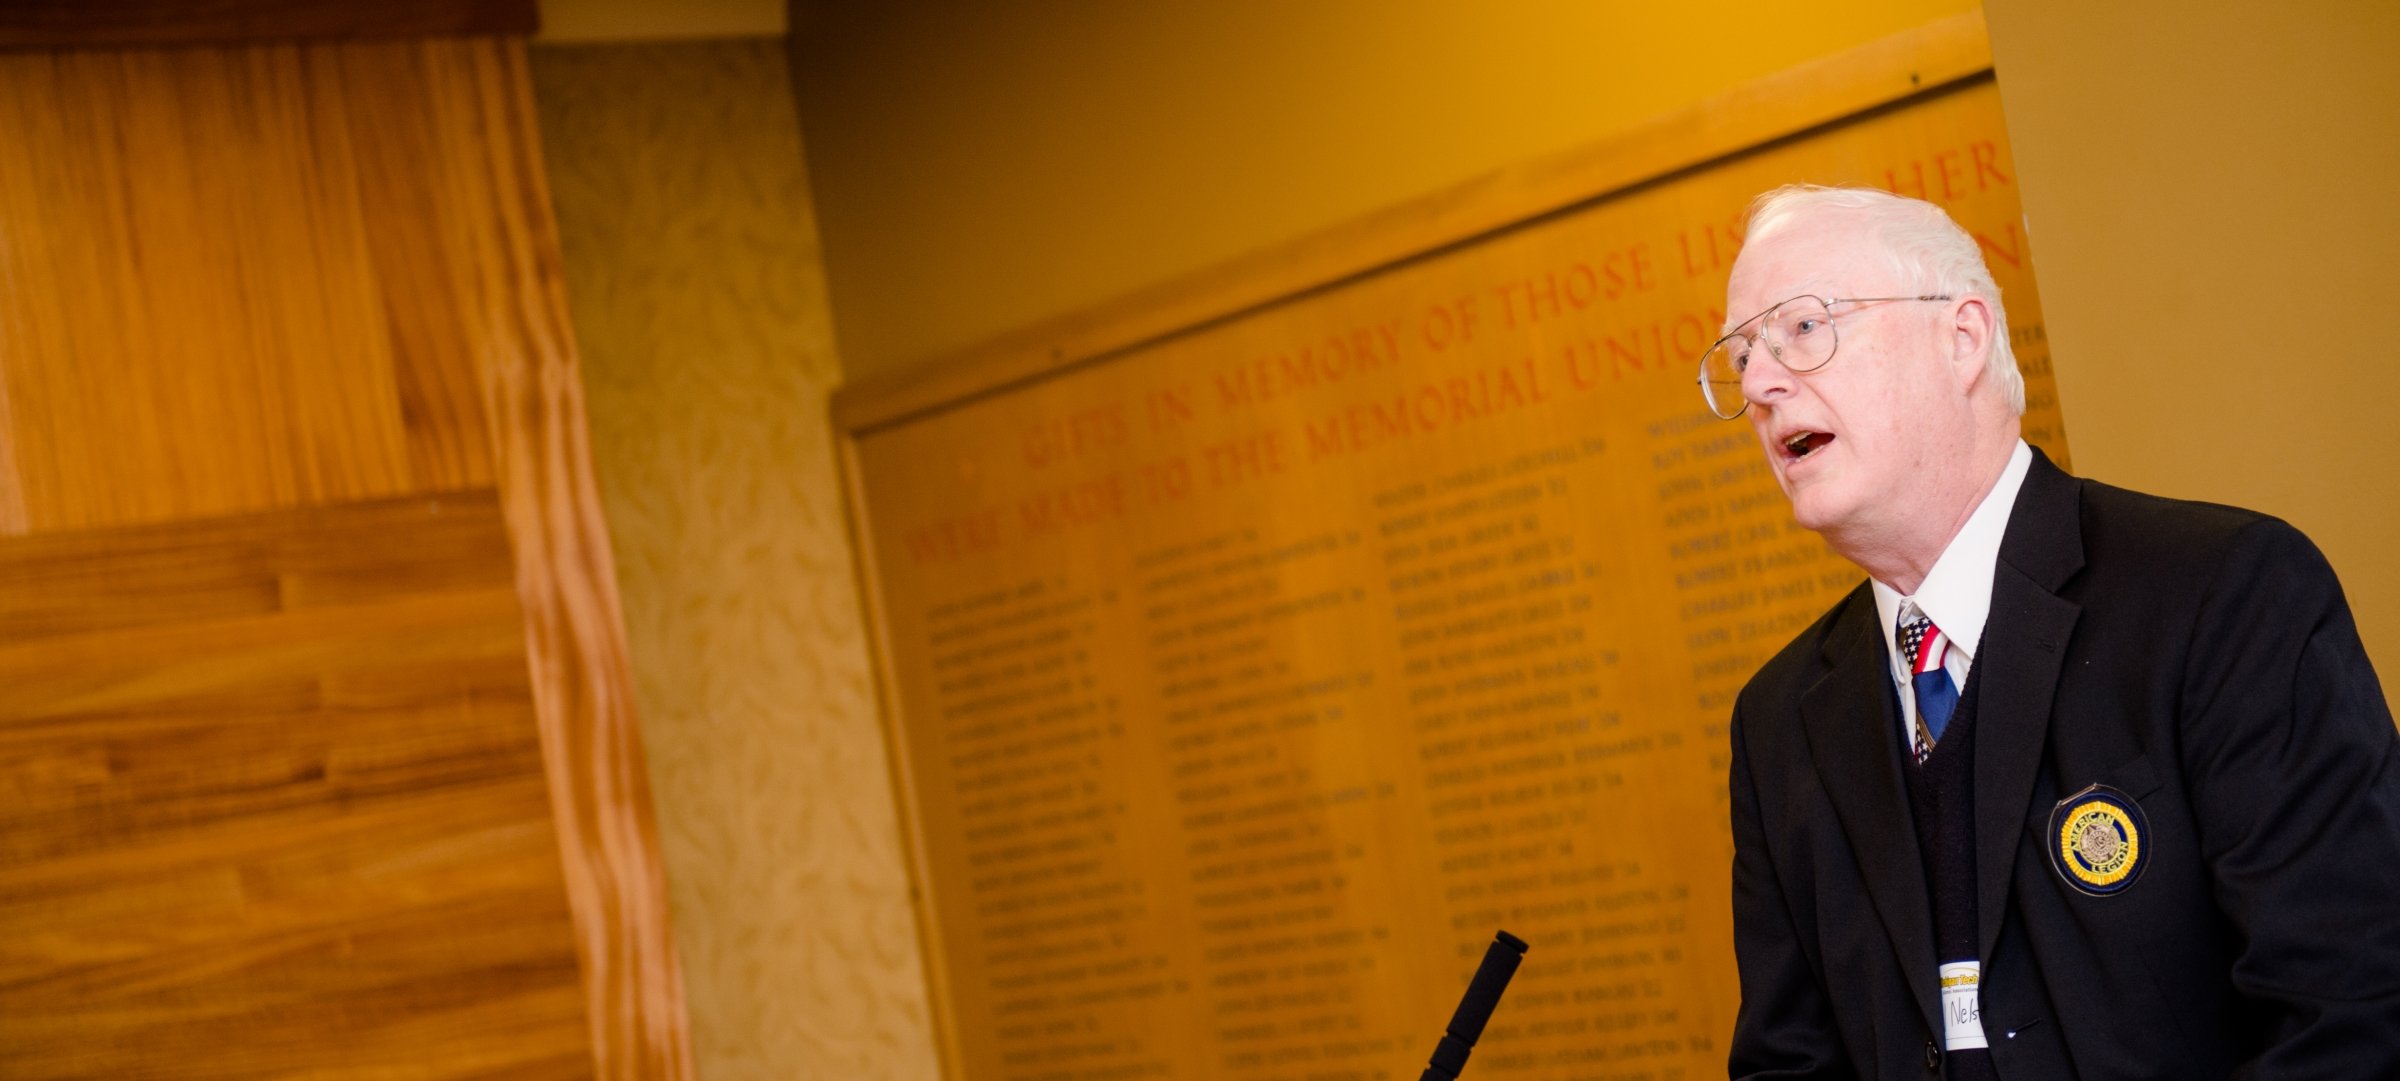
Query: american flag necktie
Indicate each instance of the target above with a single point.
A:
(1926, 647)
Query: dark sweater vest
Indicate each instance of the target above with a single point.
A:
(1941, 798)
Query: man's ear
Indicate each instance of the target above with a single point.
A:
(1971, 332)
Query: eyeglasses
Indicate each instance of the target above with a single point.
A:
(1799, 333)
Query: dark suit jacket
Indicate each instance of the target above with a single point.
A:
(2200, 659)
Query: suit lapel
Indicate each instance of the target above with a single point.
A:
(2024, 649)
(1853, 730)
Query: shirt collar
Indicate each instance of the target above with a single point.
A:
(1957, 592)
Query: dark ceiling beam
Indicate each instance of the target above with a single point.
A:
(55, 24)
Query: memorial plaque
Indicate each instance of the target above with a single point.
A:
(1245, 681)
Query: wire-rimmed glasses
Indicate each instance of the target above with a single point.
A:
(1798, 332)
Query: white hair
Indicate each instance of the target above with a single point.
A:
(1931, 253)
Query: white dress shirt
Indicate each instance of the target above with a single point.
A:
(1957, 593)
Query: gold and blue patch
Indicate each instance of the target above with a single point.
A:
(2097, 840)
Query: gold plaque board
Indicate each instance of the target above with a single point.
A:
(1243, 682)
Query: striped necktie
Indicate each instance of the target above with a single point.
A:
(1926, 647)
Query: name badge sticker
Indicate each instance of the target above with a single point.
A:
(2097, 840)
(1962, 1006)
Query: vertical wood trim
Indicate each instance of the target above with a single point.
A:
(869, 577)
(12, 489)
(566, 581)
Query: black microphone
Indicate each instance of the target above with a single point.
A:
(1483, 993)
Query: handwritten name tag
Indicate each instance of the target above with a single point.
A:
(1962, 1005)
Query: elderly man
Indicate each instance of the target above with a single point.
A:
(2084, 783)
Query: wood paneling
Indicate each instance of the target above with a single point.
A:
(256, 285)
(286, 818)
(232, 280)
(116, 23)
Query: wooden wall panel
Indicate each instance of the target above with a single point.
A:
(288, 818)
(249, 285)
(230, 313)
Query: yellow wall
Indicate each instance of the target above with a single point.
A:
(982, 166)
(2209, 188)
(694, 282)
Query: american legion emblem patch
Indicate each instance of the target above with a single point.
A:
(2097, 840)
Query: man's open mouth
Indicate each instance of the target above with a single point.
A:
(1800, 445)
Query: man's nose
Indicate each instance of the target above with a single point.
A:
(1765, 379)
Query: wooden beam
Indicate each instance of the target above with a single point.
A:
(66, 24)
